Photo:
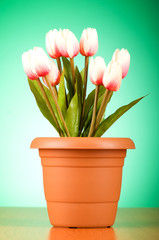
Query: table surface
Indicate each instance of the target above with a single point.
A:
(33, 223)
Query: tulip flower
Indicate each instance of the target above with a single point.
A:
(89, 42)
(96, 70)
(123, 57)
(51, 44)
(67, 43)
(54, 74)
(111, 80)
(36, 63)
(68, 46)
(62, 43)
(28, 68)
(112, 76)
(88, 47)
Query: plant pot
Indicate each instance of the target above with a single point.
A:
(82, 179)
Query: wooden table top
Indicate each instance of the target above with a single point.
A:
(33, 223)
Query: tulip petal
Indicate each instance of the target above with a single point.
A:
(123, 57)
(92, 43)
(54, 74)
(61, 44)
(96, 70)
(40, 62)
(51, 44)
(82, 42)
(89, 42)
(72, 45)
(112, 76)
(26, 60)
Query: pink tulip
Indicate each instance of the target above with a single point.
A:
(36, 63)
(51, 44)
(67, 43)
(89, 42)
(54, 74)
(112, 76)
(96, 70)
(123, 57)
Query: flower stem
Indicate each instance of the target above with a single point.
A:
(85, 88)
(60, 69)
(55, 90)
(53, 93)
(59, 65)
(103, 106)
(94, 111)
(49, 105)
(73, 71)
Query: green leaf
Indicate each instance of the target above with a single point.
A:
(62, 96)
(89, 117)
(52, 104)
(54, 109)
(79, 85)
(68, 98)
(41, 101)
(73, 114)
(107, 123)
(87, 121)
(86, 132)
(82, 75)
(72, 118)
(68, 76)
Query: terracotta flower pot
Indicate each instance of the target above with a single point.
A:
(82, 179)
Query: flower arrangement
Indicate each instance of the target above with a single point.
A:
(68, 108)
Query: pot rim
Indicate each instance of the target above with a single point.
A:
(82, 143)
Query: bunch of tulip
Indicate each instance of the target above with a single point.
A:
(67, 107)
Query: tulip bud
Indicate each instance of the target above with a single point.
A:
(123, 57)
(67, 43)
(89, 42)
(51, 44)
(112, 76)
(36, 63)
(54, 74)
(96, 70)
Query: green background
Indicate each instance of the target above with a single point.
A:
(128, 24)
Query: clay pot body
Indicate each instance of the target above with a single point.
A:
(82, 179)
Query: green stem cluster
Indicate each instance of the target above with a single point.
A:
(96, 118)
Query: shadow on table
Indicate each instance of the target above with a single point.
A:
(57, 233)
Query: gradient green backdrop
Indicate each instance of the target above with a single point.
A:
(129, 24)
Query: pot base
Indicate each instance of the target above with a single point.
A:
(82, 214)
